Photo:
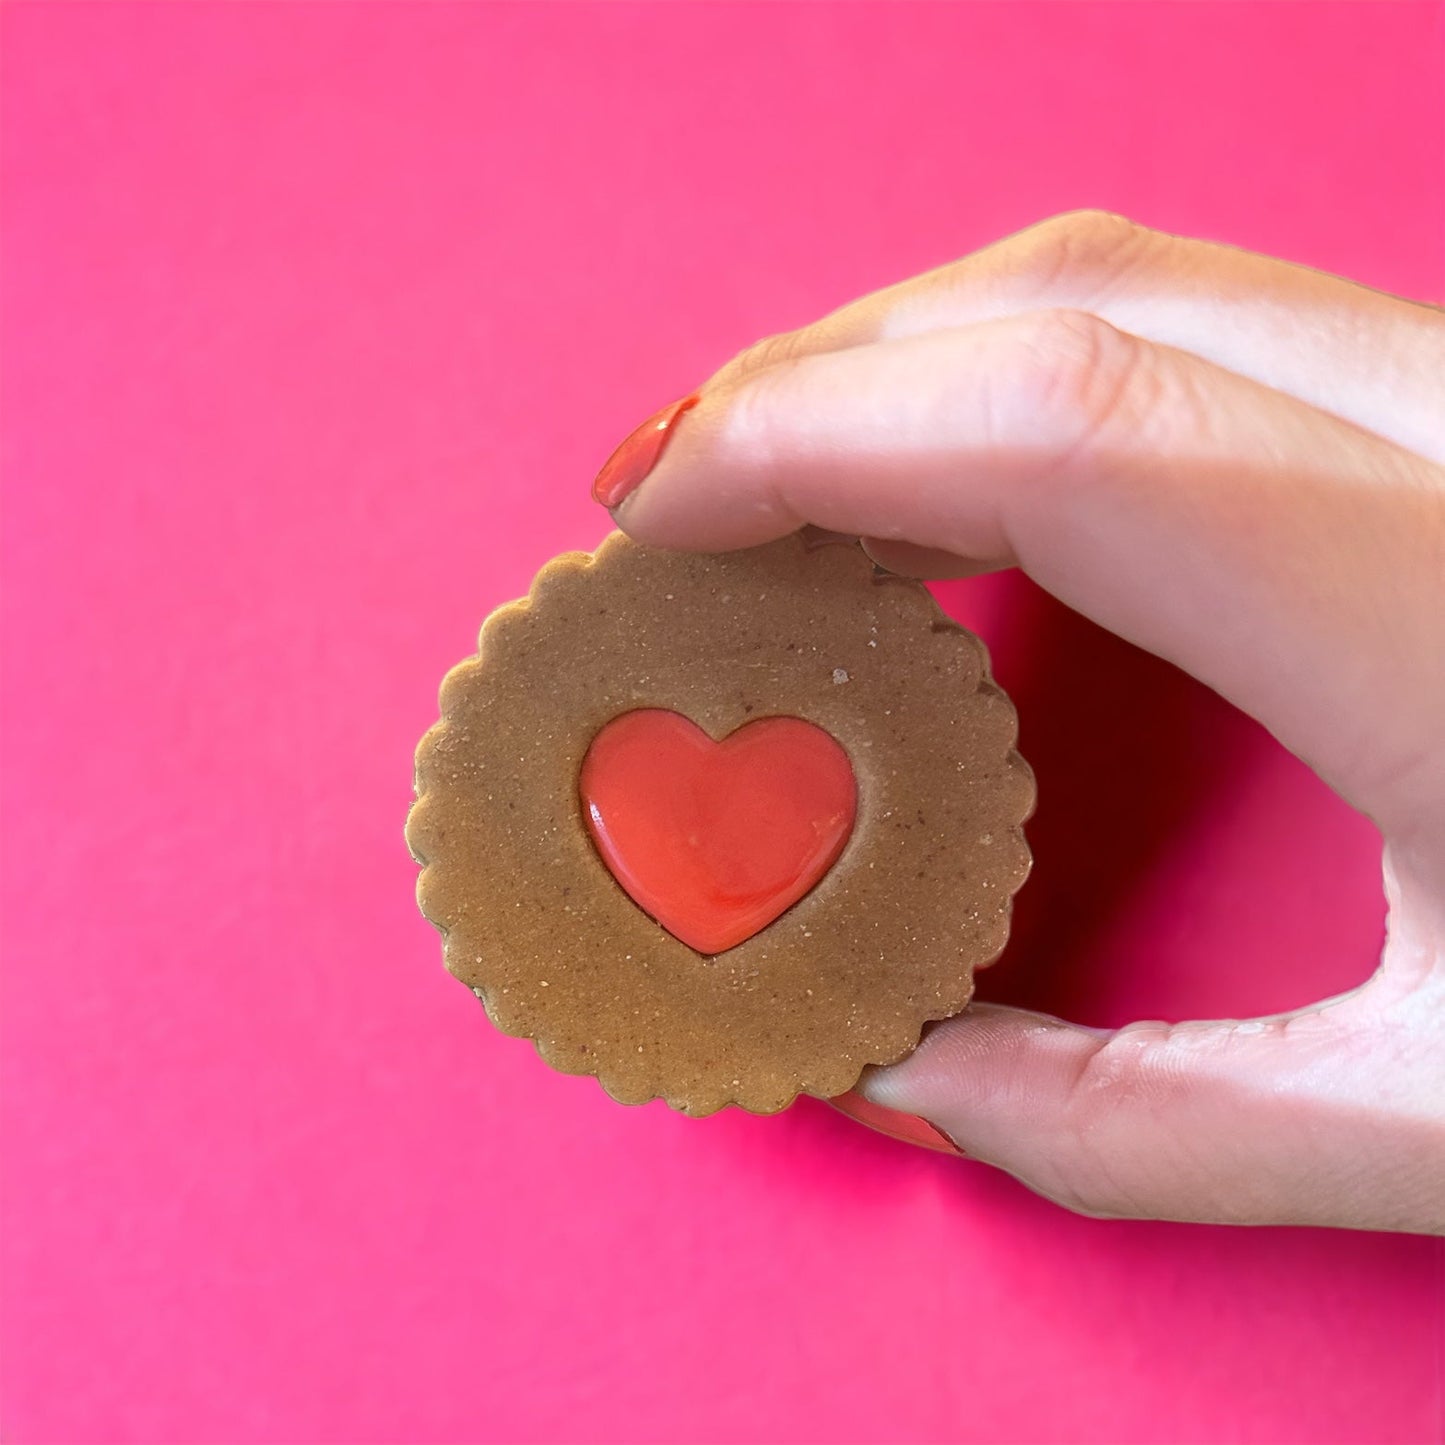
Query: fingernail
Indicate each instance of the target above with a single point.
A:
(907, 1127)
(627, 468)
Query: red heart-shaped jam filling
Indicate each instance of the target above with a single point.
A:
(716, 839)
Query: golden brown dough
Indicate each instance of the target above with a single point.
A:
(537, 927)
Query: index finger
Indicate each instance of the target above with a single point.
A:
(1360, 354)
(1284, 556)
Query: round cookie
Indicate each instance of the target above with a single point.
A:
(914, 895)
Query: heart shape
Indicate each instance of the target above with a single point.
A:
(715, 840)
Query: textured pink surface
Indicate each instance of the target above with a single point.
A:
(317, 322)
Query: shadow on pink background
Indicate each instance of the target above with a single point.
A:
(316, 323)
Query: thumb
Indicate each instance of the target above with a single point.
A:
(1317, 1117)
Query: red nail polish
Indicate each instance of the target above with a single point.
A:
(625, 470)
(907, 1127)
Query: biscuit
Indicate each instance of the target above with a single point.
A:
(909, 893)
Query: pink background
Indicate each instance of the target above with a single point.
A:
(317, 322)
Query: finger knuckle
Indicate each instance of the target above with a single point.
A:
(1082, 372)
(1083, 250)
(775, 349)
(1140, 1072)
(762, 356)
(1111, 1074)
(1114, 1081)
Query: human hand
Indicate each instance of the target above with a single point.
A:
(1238, 464)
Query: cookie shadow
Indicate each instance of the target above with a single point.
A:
(1128, 751)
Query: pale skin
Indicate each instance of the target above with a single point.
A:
(1238, 464)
